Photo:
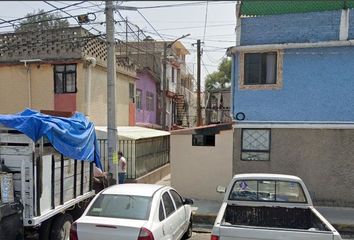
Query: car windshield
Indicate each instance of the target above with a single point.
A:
(267, 190)
(121, 206)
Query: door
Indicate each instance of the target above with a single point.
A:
(181, 212)
(170, 225)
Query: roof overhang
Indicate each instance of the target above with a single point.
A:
(269, 47)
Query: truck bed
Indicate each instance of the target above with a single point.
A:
(274, 217)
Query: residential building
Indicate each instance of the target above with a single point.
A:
(292, 94)
(147, 98)
(218, 106)
(63, 70)
(148, 55)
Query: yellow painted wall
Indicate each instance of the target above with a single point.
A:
(196, 171)
(99, 97)
(14, 86)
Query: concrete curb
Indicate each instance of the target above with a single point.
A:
(347, 229)
(204, 219)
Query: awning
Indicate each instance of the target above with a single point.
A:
(131, 133)
(275, 7)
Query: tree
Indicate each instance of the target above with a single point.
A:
(221, 77)
(41, 20)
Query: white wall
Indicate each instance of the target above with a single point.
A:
(196, 171)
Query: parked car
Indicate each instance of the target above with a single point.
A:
(267, 207)
(135, 212)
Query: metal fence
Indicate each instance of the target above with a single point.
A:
(143, 155)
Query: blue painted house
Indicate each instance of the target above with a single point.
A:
(293, 93)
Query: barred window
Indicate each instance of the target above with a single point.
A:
(65, 78)
(255, 144)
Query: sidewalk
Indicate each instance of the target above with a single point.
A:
(205, 212)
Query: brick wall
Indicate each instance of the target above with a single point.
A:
(291, 28)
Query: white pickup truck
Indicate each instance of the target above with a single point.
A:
(269, 207)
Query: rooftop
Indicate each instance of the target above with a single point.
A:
(274, 7)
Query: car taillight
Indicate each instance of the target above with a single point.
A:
(73, 232)
(145, 234)
(214, 237)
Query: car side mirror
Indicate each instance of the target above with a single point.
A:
(188, 201)
(221, 189)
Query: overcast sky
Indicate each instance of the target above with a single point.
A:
(187, 17)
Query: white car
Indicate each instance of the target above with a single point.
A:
(135, 212)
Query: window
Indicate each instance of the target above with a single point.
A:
(173, 74)
(149, 101)
(261, 70)
(161, 212)
(131, 92)
(203, 140)
(267, 190)
(167, 202)
(121, 206)
(255, 144)
(65, 78)
(138, 99)
(177, 198)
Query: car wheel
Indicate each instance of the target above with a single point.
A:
(61, 227)
(189, 232)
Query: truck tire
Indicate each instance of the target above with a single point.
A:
(61, 227)
(44, 230)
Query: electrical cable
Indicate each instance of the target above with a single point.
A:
(43, 13)
(150, 25)
(205, 20)
(62, 11)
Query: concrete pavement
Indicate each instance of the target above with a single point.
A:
(205, 212)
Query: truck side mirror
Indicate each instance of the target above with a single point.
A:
(220, 189)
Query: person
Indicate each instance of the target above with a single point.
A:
(122, 168)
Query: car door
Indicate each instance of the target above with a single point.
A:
(180, 211)
(171, 221)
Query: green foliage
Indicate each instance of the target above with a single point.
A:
(220, 77)
(40, 20)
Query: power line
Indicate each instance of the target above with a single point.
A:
(205, 19)
(196, 27)
(150, 25)
(182, 5)
(61, 10)
(43, 13)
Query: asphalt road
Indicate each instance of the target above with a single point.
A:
(206, 236)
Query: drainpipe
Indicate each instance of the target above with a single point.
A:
(28, 77)
(91, 62)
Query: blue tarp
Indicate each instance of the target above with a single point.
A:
(74, 137)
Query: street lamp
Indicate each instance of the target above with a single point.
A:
(164, 81)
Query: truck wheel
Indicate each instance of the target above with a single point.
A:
(61, 227)
(44, 230)
(189, 231)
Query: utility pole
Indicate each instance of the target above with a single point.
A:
(111, 93)
(199, 112)
(164, 85)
